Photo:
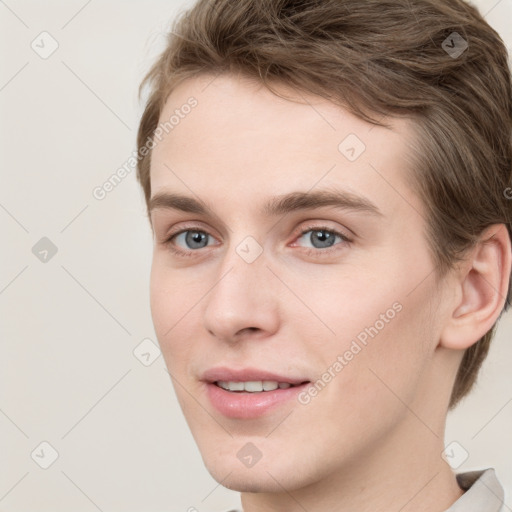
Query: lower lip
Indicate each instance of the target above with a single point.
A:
(245, 405)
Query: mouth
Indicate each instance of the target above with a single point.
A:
(248, 393)
(255, 386)
(252, 379)
(245, 400)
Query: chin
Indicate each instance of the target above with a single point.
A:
(246, 480)
(268, 476)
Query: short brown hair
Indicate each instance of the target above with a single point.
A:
(377, 58)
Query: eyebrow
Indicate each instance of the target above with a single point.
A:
(278, 205)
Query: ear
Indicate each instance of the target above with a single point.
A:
(481, 290)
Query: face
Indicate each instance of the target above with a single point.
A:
(296, 255)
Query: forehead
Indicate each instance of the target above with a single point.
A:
(241, 135)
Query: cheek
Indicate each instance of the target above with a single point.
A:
(365, 395)
(382, 334)
(162, 300)
(346, 305)
(174, 293)
(390, 358)
(172, 301)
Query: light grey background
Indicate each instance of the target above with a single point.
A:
(70, 325)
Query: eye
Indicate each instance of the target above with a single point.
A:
(193, 239)
(321, 237)
(187, 241)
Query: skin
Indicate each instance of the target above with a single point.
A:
(372, 438)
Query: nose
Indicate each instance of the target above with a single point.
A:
(243, 300)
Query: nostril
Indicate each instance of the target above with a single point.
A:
(251, 329)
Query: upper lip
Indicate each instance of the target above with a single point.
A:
(223, 373)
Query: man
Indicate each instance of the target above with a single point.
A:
(326, 183)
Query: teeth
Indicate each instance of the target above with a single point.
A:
(253, 386)
(270, 385)
(235, 386)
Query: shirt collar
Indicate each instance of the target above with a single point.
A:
(483, 492)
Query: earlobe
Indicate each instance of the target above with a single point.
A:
(482, 290)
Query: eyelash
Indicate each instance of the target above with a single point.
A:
(309, 251)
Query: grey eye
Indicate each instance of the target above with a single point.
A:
(193, 239)
(319, 238)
